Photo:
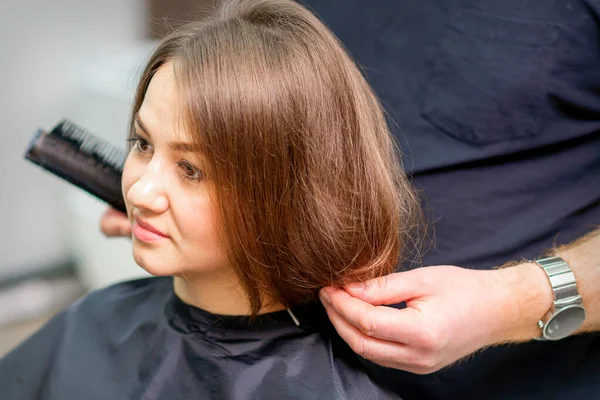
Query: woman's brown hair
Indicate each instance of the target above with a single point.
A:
(309, 187)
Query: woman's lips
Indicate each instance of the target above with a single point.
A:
(146, 232)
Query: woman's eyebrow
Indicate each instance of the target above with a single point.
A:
(184, 147)
(181, 147)
(139, 123)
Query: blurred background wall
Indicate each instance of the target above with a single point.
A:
(46, 48)
(80, 60)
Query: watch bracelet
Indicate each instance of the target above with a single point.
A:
(563, 284)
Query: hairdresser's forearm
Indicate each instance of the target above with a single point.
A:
(527, 295)
(584, 257)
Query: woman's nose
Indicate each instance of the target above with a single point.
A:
(149, 192)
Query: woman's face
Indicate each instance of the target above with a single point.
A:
(166, 191)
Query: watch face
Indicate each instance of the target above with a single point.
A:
(564, 322)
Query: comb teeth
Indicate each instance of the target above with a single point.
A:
(87, 143)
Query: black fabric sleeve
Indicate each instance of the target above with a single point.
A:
(24, 372)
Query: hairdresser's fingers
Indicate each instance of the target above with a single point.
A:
(386, 353)
(456, 312)
(391, 289)
(114, 223)
(379, 322)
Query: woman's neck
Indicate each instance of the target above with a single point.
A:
(218, 293)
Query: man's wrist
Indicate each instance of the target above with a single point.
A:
(583, 260)
(526, 296)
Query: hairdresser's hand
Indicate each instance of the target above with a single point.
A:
(115, 223)
(451, 312)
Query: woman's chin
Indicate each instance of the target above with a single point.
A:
(169, 262)
(152, 264)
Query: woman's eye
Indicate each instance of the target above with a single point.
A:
(190, 172)
(139, 144)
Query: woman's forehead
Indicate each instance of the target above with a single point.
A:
(162, 90)
(161, 112)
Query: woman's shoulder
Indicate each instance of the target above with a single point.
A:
(139, 297)
(90, 338)
(132, 291)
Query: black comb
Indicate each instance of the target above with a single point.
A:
(82, 159)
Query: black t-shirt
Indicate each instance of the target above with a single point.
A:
(136, 340)
(496, 106)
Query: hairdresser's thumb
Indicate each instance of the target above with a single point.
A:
(389, 289)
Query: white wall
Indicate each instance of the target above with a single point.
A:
(44, 47)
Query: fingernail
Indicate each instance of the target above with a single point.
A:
(324, 296)
(355, 287)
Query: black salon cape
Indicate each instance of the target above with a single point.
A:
(137, 340)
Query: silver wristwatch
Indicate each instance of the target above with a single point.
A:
(567, 312)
